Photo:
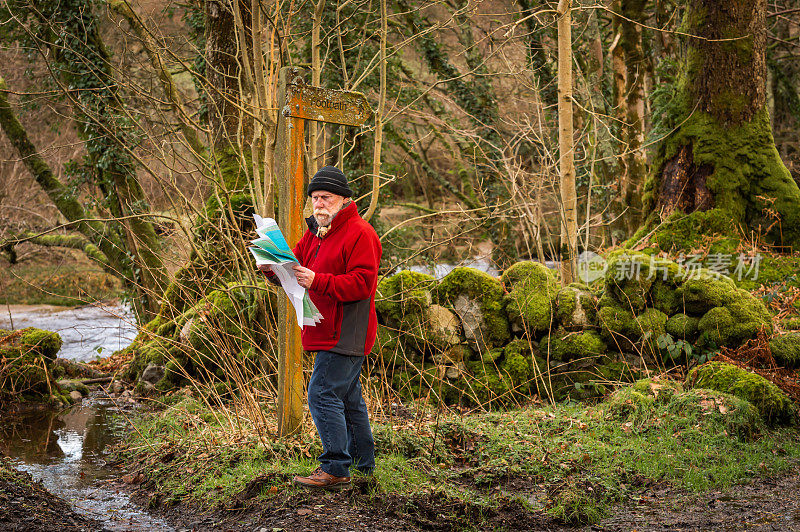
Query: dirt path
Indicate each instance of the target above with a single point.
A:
(766, 504)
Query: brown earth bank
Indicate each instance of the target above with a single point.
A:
(26, 506)
(353, 509)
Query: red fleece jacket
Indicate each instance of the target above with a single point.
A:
(345, 263)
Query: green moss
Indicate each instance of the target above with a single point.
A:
(528, 272)
(791, 324)
(683, 326)
(44, 343)
(703, 291)
(518, 365)
(618, 326)
(484, 290)
(639, 400)
(651, 324)
(404, 295)
(740, 320)
(531, 300)
(564, 346)
(786, 349)
(747, 172)
(772, 270)
(709, 230)
(576, 307)
(649, 401)
(774, 405)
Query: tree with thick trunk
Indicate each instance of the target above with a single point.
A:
(722, 153)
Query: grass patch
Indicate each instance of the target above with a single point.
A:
(571, 462)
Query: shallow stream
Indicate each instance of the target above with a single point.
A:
(68, 450)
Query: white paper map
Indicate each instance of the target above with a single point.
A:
(271, 249)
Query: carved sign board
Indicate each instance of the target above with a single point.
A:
(327, 105)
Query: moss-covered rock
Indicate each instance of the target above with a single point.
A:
(786, 349)
(629, 278)
(618, 326)
(564, 346)
(531, 299)
(704, 291)
(639, 400)
(214, 333)
(772, 403)
(404, 297)
(27, 360)
(654, 401)
(651, 324)
(477, 299)
(576, 307)
(740, 319)
(682, 326)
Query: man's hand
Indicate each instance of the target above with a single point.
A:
(304, 276)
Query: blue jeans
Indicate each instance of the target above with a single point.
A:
(340, 414)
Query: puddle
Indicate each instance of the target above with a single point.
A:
(68, 452)
(87, 332)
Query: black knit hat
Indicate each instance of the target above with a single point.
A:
(330, 179)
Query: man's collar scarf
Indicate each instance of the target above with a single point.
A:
(337, 221)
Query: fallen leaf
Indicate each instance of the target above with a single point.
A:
(304, 511)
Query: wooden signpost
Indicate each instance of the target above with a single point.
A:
(298, 102)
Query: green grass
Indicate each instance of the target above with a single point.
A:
(585, 458)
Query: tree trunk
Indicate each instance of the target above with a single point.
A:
(569, 224)
(723, 153)
(629, 74)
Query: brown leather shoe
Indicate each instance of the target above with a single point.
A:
(319, 479)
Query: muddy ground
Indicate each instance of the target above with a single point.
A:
(767, 504)
(26, 506)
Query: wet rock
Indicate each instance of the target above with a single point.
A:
(152, 374)
(75, 395)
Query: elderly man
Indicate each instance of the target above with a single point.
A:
(339, 257)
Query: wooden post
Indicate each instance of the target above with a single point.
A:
(289, 173)
(298, 102)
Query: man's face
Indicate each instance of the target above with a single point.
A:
(326, 205)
